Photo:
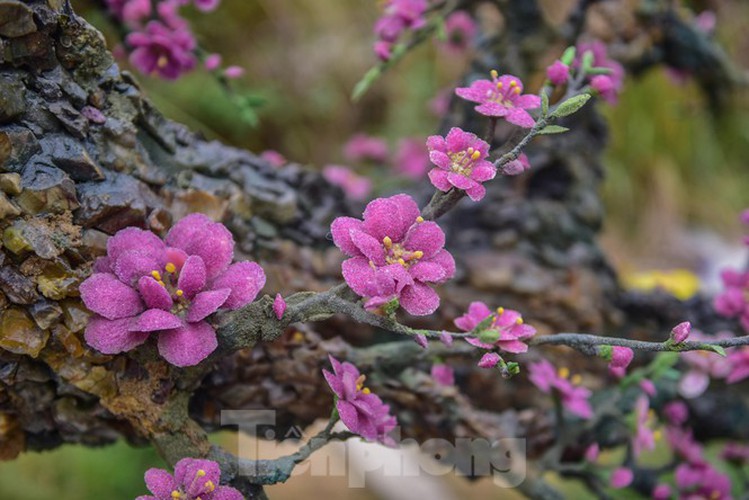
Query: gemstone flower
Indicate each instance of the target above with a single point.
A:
(461, 163)
(394, 253)
(147, 285)
(548, 380)
(193, 479)
(507, 326)
(503, 97)
(360, 410)
(162, 50)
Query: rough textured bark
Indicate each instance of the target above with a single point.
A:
(83, 154)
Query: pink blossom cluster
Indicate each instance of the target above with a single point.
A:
(394, 254)
(502, 97)
(574, 398)
(733, 301)
(607, 86)
(167, 288)
(398, 16)
(360, 410)
(410, 158)
(356, 187)
(193, 479)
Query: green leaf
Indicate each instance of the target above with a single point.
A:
(485, 323)
(366, 82)
(544, 104)
(390, 307)
(600, 71)
(569, 55)
(605, 352)
(552, 129)
(588, 58)
(714, 348)
(571, 105)
(489, 336)
(513, 367)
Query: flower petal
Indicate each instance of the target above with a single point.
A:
(153, 320)
(132, 238)
(193, 473)
(419, 299)
(440, 159)
(439, 179)
(198, 235)
(521, 118)
(104, 294)
(360, 276)
(427, 271)
(390, 216)
(369, 247)
(133, 264)
(341, 230)
(206, 303)
(192, 278)
(460, 181)
(189, 344)
(226, 493)
(112, 336)
(153, 294)
(427, 237)
(245, 279)
(349, 415)
(476, 192)
(160, 483)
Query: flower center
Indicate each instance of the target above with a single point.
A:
(169, 281)
(504, 96)
(360, 385)
(396, 254)
(462, 161)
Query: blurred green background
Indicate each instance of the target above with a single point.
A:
(670, 162)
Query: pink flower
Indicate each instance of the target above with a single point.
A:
(735, 452)
(705, 21)
(147, 285)
(355, 186)
(644, 438)
(734, 300)
(440, 103)
(592, 452)
(234, 72)
(446, 339)
(703, 365)
(744, 217)
(275, 158)
(443, 374)
(279, 306)
(399, 16)
(212, 62)
(684, 445)
(502, 96)
(162, 50)
(661, 492)
(574, 398)
(412, 159)
(738, 360)
(394, 253)
(648, 387)
(360, 410)
(601, 60)
(605, 88)
(383, 50)
(362, 147)
(421, 340)
(461, 29)
(621, 478)
(681, 332)
(702, 480)
(676, 412)
(130, 12)
(489, 360)
(507, 325)
(206, 5)
(558, 73)
(518, 166)
(461, 163)
(621, 357)
(193, 479)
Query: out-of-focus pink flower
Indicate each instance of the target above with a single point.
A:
(489, 360)
(398, 16)
(609, 90)
(684, 445)
(621, 478)
(273, 157)
(147, 285)
(411, 158)
(461, 163)
(162, 50)
(605, 88)
(443, 374)
(648, 387)
(193, 479)
(440, 103)
(738, 360)
(681, 332)
(507, 325)
(502, 97)
(212, 62)
(592, 452)
(574, 398)
(360, 410)
(706, 21)
(703, 365)
(206, 5)
(661, 492)
(517, 166)
(745, 217)
(363, 147)
(735, 452)
(733, 302)
(383, 50)
(461, 30)
(558, 73)
(446, 339)
(234, 72)
(644, 438)
(394, 253)
(279, 306)
(130, 12)
(676, 412)
(702, 480)
(355, 186)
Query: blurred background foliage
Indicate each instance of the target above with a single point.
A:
(672, 166)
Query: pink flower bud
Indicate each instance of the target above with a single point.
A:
(648, 387)
(383, 50)
(233, 72)
(558, 73)
(443, 374)
(591, 454)
(421, 340)
(212, 62)
(489, 360)
(446, 339)
(662, 492)
(680, 332)
(279, 306)
(518, 166)
(621, 357)
(621, 478)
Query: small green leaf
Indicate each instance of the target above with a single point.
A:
(485, 323)
(571, 105)
(605, 352)
(544, 104)
(714, 348)
(552, 129)
(366, 82)
(489, 336)
(588, 58)
(569, 55)
(600, 71)
(513, 368)
(390, 307)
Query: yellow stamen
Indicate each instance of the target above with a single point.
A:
(402, 262)
(564, 372)
(162, 61)
(297, 336)
(418, 254)
(209, 486)
(200, 473)
(494, 73)
(576, 379)
(657, 435)
(156, 275)
(476, 155)
(176, 494)
(517, 90)
(500, 310)
(161, 283)
(179, 293)
(419, 219)
(387, 241)
(513, 83)
(366, 390)
(499, 85)
(519, 321)
(170, 268)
